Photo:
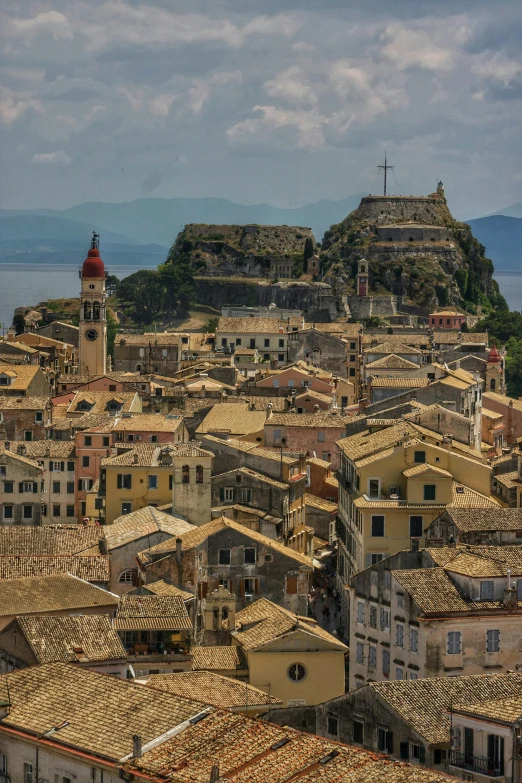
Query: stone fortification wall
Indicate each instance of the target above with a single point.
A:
(367, 306)
(413, 232)
(395, 209)
(443, 251)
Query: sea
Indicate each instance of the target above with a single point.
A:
(28, 284)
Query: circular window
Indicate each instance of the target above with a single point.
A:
(296, 672)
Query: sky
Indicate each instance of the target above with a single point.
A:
(282, 101)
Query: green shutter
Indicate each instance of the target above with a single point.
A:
(119, 481)
(221, 494)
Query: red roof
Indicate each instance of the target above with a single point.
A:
(93, 265)
(494, 356)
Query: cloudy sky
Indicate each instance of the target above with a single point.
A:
(285, 102)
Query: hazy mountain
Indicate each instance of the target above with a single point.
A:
(502, 237)
(515, 210)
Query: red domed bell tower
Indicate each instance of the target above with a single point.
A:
(93, 316)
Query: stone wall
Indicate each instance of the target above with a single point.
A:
(412, 232)
(393, 209)
(367, 306)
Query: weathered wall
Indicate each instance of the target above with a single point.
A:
(392, 209)
(413, 233)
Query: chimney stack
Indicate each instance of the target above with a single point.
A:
(269, 411)
(179, 551)
(414, 544)
(136, 746)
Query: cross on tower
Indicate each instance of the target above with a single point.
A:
(95, 241)
(386, 168)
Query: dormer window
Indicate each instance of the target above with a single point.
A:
(5, 380)
(114, 405)
(84, 406)
(486, 590)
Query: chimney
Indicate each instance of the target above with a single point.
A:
(316, 408)
(135, 459)
(414, 544)
(179, 551)
(269, 411)
(510, 598)
(136, 746)
(203, 390)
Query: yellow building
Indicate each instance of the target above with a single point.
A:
(153, 474)
(288, 655)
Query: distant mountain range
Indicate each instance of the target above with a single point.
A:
(140, 232)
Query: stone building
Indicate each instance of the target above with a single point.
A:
(21, 482)
(24, 418)
(511, 410)
(315, 434)
(23, 380)
(149, 352)
(269, 335)
(59, 330)
(486, 527)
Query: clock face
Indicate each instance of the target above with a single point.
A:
(91, 334)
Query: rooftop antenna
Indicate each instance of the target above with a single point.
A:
(95, 242)
(386, 168)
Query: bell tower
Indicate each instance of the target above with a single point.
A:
(93, 316)
(362, 278)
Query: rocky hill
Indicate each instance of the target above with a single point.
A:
(242, 251)
(415, 250)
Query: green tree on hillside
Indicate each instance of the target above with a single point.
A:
(514, 367)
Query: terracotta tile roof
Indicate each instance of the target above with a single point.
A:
(256, 751)
(502, 556)
(264, 621)
(322, 463)
(391, 362)
(86, 638)
(149, 454)
(508, 480)
(316, 502)
(468, 520)
(399, 383)
(462, 497)
(160, 587)
(456, 383)
(420, 470)
(502, 399)
(7, 454)
(197, 536)
(315, 396)
(211, 688)
(45, 696)
(142, 523)
(432, 590)
(22, 347)
(89, 568)
(424, 703)
(228, 325)
(259, 402)
(48, 540)
(218, 659)
(148, 422)
(339, 327)
(253, 474)
(151, 611)
(478, 565)
(322, 419)
(505, 710)
(37, 449)
(152, 338)
(99, 401)
(22, 374)
(58, 592)
(24, 403)
(395, 347)
(236, 419)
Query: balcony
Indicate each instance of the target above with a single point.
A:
(481, 764)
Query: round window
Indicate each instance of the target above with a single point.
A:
(296, 672)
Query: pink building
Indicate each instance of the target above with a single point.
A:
(299, 377)
(447, 319)
(314, 433)
(511, 411)
(320, 481)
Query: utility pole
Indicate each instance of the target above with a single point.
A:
(386, 168)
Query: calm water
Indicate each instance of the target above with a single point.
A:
(28, 284)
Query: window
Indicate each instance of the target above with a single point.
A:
(87, 440)
(70, 487)
(69, 511)
(250, 554)
(249, 585)
(399, 635)
(56, 487)
(332, 725)
(374, 578)
(28, 773)
(153, 482)
(372, 657)
(385, 619)
(416, 526)
(414, 676)
(358, 732)
(281, 357)
(3, 764)
(126, 508)
(85, 484)
(281, 343)
(8, 486)
(373, 616)
(56, 510)
(124, 481)
(127, 577)
(454, 645)
(199, 474)
(224, 556)
(27, 486)
(28, 435)
(377, 526)
(414, 640)
(277, 434)
(321, 436)
(360, 612)
(226, 494)
(225, 583)
(384, 740)
(352, 371)
(519, 583)
(38, 417)
(374, 488)
(246, 495)
(429, 491)
(492, 641)
(400, 601)
(359, 656)
(27, 512)
(185, 474)
(296, 672)
(496, 754)
(375, 558)
(238, 340)
(8, 512)
(415, 751)
(419, 456)
(266, 342)
(399, 674)
(105, 440)
(386, 663)
(486, 591)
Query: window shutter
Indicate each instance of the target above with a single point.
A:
(21, 486)
(202, 589)
(79, 483)
(491, 748)
(62, 466)
(291, 585)
(422, 754)
(35, 487)
(221, 494)
(134, 577)
(242, 588)
(404, 750)
(51, 465)
(256, 585)
(119, 481)
(389, 742)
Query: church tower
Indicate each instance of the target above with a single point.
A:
(93, 316)
(362, 278)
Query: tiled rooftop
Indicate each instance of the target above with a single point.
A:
(502, 519)
(48, 540)
(211, 688)
(236, 419)
(317, 502)
(149, 454)
(38, 449)
(160, 587)
(93, 568)
(228, 325)
(151, 612)
(392, 362)
(218, 659)
(141, 523)
(24, 403)
(21, 374)
(59, 592)
(505, 710)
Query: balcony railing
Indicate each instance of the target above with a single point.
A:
(475, 764)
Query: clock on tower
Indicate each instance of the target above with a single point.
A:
(93, 315)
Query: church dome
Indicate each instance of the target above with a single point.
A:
(93, 265)
(494, 356)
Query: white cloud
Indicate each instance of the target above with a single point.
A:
(308, 125)
(291, 85)
(415, 47)
(50, 158)
(160, 105)
(496, 67)
(51, 23)
(14, 105)
(202, 89)
(135, 97)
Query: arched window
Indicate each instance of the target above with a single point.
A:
(492, 384)
(87, 311)
(185, 474)
(199, 474)
(224, 613)
(127, 577)
(215, 618)
(96, 311)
